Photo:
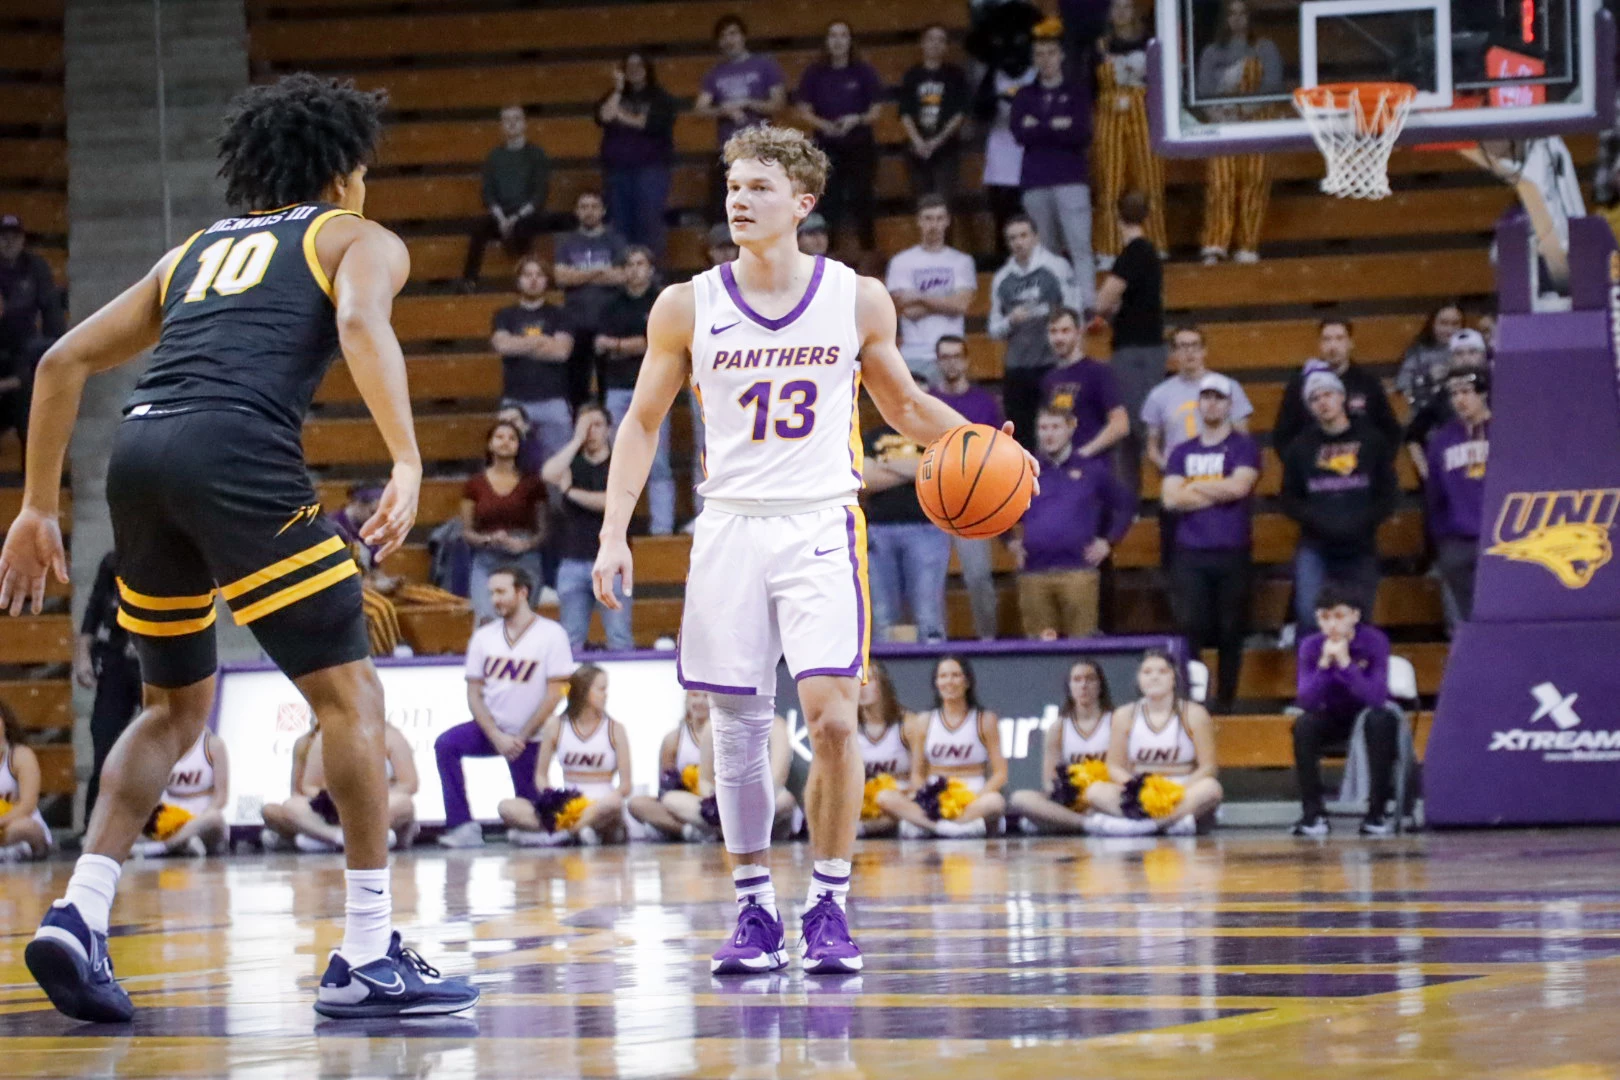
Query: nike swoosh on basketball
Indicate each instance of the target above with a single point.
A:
(829, 551)
(723, 329)
(393, 989)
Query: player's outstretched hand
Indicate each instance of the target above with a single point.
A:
(33, 549)
(1034, 465)
(387, 529)
(612, 562)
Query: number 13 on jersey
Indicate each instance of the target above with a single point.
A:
(799, 395)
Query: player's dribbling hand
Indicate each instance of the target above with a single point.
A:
(612, 562)
(387, 529)
(1034, 465)
(33, 548)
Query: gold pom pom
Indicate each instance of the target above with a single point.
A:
(1160, 796)
(689, 778)
(1082, 774)
(165, 821)
(956, 798)
(571, 813)
(5, 807)
(880, 783)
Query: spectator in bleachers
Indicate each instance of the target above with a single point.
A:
(503, 517)
(1365, 398)
(1051, 118)
(1467, 353)
(1132, 299)
(933, 287)
(1073, 523)
(517, 670)
(978, 406)
(840, 96)
(535, 340)
(1122, 145)
(933, 108)
(813, 238)
(638, 151)
(517, 181)
(308, 819)
(590, 269)
(31, 315)
(720, 248)
(1457, 455)
(382, 594)
(1338, 485)
(1208, 483)
(1426, 362)
(1171, 413)
(15, 376)
(530, 453)
(1083, 387)
(104, 659)
(1003, 153)
(580, 471)
(740, 91)
(1236, 188)
(1343, 674)
(620, 345)
(1029, 287)
(908, 557)
(23, 833)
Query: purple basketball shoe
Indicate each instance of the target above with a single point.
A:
(758, 945)
(825, 942)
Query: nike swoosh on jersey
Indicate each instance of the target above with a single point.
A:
(723, 329)
(829, 551)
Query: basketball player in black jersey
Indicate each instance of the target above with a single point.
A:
(210, 497)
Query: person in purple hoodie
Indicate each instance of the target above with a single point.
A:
(1344, 676)
(1080, 512)
(1456, 489)
(979, 406)
(742, 90)
(1051, 119)
(638, 147)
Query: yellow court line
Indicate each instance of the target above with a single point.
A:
(315, 553)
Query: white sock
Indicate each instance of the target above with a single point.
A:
(828, 876)
(92, 888)
(755, 881)
(150, 849)
(368, 916)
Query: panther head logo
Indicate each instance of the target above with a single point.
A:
(1572, 551)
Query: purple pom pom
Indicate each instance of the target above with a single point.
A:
(670, 781)
(550, 802)
(1130, 802)
(928, 797)
(323, 805)
(711, 812)
(1064, 793)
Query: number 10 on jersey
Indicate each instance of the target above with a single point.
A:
(799, 395)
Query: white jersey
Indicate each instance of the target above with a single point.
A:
(1150, 750)
(956, 752)
(889, 754)
(516, 673)
(191, 781)
(1078, 748)
(9, 788)
(687, 750)
(587, 763)
(781, 430)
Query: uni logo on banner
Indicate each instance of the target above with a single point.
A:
(1564, 532)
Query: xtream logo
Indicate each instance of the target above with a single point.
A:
(1564, 744)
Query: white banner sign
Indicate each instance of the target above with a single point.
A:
(261, 715)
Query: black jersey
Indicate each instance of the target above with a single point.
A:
(248, 319)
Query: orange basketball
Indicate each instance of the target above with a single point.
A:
(975, 481)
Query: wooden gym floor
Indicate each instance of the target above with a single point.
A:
(1242, 955)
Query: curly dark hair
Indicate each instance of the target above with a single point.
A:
(285, 141)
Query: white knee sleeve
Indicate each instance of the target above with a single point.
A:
(743, 788)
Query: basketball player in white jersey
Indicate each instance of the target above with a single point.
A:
(199, 784)
(1081, 734)
(677, 812)
(593, 751)
(776, 344)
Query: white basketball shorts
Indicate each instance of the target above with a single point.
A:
(760, 588)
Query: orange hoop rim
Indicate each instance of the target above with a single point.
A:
(1362, 97)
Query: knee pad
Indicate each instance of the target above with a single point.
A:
(742, 735)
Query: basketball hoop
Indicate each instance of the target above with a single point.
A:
(1355, 125)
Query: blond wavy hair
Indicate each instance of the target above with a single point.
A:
(804, 162)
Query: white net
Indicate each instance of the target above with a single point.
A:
(1355, 126)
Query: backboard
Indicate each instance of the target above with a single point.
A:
(1222, 72)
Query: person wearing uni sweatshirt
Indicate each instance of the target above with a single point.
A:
(1455, 493)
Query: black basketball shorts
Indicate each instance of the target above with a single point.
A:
(218, 501)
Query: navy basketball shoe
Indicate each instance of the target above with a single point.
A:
(398, 984)
(70, 962)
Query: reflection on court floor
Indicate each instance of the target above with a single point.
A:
(1242, 955)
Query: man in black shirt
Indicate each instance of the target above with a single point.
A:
(933, 107)
(104, 659)
(908, 557)
(535, 340)
(1364, 396)
(1339, 485)
(1132, 298)
(620, 344)
(580, 472)
(517, 179)
(33, 316)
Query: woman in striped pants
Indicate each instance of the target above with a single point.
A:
(1122, 149)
